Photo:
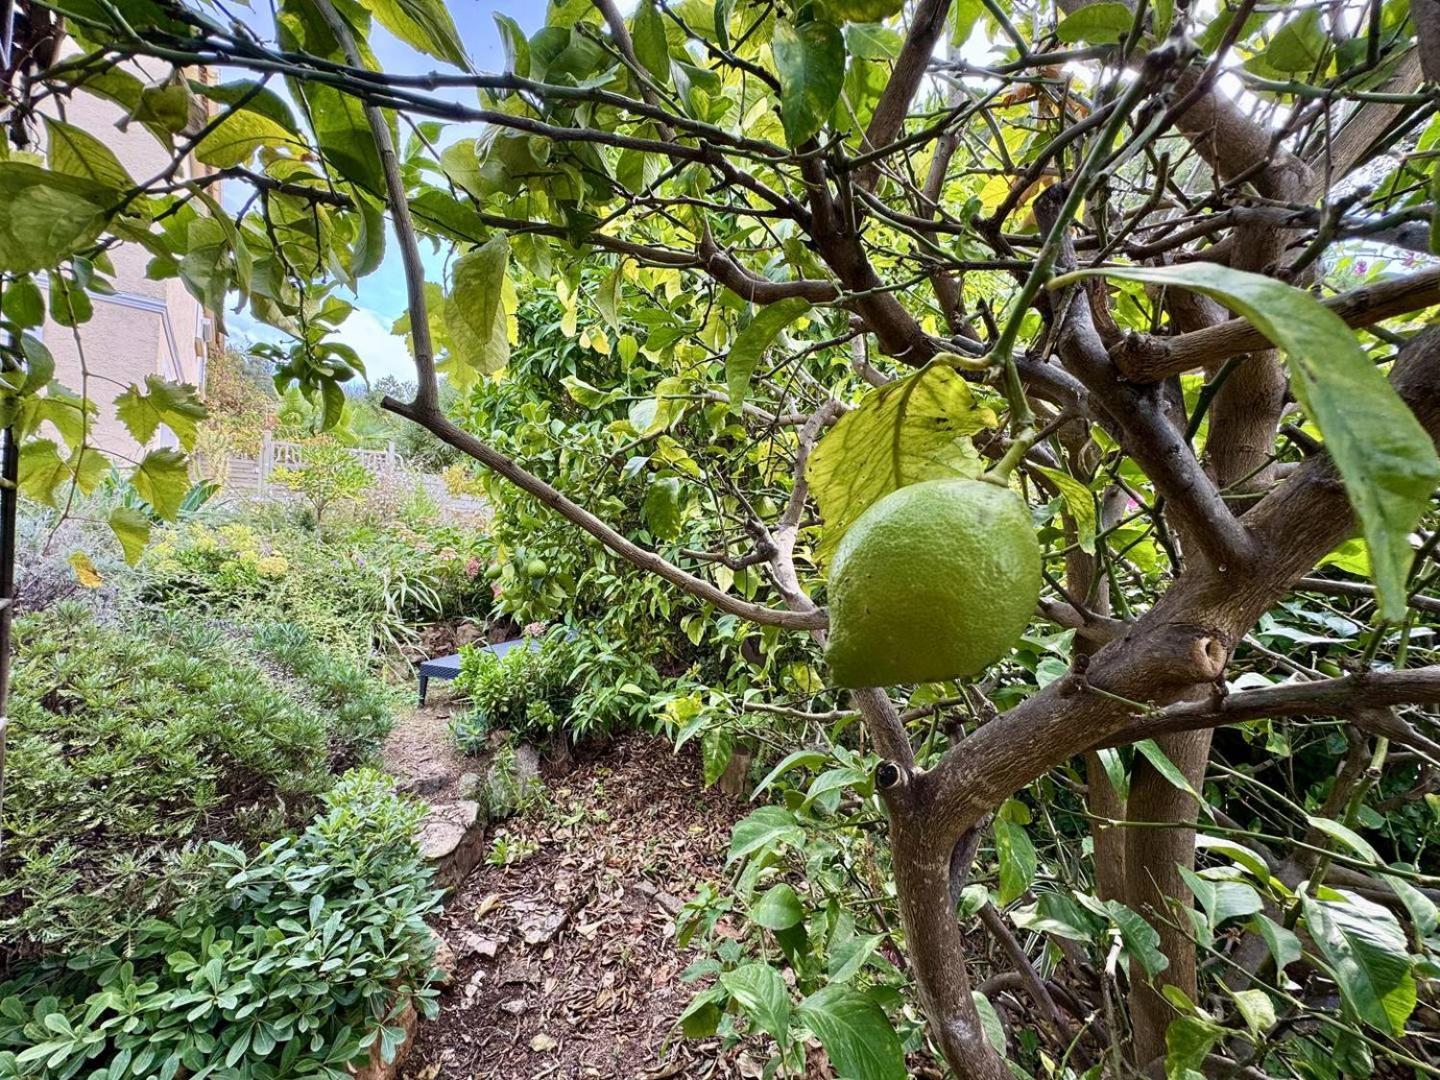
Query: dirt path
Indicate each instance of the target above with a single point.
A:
(420, 752)
(566, 964)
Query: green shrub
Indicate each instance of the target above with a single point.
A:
(527, 691)
(364, 593)
(288, 964)
(129, 747)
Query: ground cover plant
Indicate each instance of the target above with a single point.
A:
(782, 259)
(292, 961)
(132, 745)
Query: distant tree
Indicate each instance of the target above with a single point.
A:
(328, 474)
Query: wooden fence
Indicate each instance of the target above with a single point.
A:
(249, 477)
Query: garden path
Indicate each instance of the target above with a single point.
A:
(565, 959)
(421, 754)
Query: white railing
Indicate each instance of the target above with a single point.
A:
(251, 476)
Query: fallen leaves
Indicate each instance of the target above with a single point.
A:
(566, 963)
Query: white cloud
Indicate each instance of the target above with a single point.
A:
(368, 333)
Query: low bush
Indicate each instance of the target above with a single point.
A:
(291, 963)
(130, 747)
(527, 691)
(363, 593)
(563, 682)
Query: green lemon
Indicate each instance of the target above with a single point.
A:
(493, 571)
(934, 581)
(536, 568)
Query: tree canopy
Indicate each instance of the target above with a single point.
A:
(829, 249)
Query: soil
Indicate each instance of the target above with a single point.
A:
(421, 754)
(565, 959)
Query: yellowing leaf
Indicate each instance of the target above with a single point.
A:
(475, 309)
(132, 529)
(1079, 502)
(914, 429)
(85, 571)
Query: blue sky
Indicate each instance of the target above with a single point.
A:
(381, 297)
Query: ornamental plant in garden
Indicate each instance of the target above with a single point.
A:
(771, 269)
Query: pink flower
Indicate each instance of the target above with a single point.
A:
(472, 567)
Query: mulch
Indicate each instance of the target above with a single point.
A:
(565, 960)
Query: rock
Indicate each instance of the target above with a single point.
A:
(467, 634)
(735, 780)
(527, 765)
(425, 785)
(452, 839)
(444, 958)
(376, 1069)
(469, 786)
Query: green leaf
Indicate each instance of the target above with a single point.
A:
(701, 1017)
(652, 48)
(1079, 502)
(849, 956)
(1099, 24)
(765, 829)
(1366, 951)
(1017, 858)
(1255, 1008)
(24, 305)
(235, 140)
(760, 991)
(871, 41)
(1347, 836)
(990, 1021)
(797, 759)
(42, 470)
(855, 1032)
(1423, 912)
(1284, 946)
(590, 397)
(778, 909)
(132, 529)
(176, 405)
(76, 152)
(423, 24)
(1386, 459)
(663, 508)
(47, 216)
(811, 63)
(1152, 753)
(1188, 1041)
(162, 478)
(1298, 46)
(964, 15)
(516, 44)
(907, 431)
(475, 310)
(835, 780)
(607, 298)
(1222, 900)
(716, 746)
(751, 343)
(862, 11)
(1140, 939)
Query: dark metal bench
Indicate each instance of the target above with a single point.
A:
(447, 667)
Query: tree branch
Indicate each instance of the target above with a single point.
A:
(1145, 358)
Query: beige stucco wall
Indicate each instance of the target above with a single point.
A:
(147, 327)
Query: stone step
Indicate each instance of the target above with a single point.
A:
(452, 840)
